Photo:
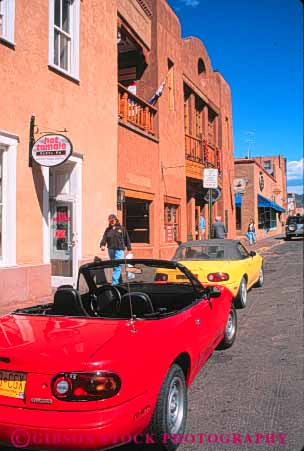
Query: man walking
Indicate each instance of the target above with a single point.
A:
(117, 239)
(218, 229)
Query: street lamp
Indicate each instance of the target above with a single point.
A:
(120, 197)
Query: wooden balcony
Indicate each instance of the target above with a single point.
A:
(199, 154)
(135, 111)
(194, 149)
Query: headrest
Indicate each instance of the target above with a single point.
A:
(67, 302)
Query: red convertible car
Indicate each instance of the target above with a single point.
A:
(105, 365)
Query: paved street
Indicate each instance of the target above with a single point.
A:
(256, 387)
(250, 397)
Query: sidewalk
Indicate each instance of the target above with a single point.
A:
(263, 245)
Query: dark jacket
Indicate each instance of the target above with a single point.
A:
(116, 237)
(252, 228)
(218, 230)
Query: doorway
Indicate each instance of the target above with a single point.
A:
(62, 221)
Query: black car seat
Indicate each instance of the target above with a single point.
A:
(141, 304)
(67, 302)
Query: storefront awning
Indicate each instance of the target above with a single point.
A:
(264, 202)
(238, 200)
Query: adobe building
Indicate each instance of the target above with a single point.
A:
(60, 77)
(92, 76)
(163, 148)
(265, 197)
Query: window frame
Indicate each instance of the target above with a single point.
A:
(149, 203)
(267, 218)
(73, 35)
(171, 222)
(8, 148)
(8, 24)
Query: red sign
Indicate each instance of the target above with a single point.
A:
(60, 234)
(62, 217)
(169, 233)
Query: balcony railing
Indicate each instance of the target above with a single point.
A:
(199, 151)
(135, 111)
(194, 149)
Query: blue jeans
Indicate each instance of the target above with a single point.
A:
(251, 237)
(116, 254)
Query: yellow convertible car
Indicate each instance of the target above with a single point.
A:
(219, 262)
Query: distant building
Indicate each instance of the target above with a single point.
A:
(291, 204)
(264, 199)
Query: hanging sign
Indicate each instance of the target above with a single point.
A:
(52, 150)
(210, 178)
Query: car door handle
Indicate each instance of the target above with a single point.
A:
(197, 322)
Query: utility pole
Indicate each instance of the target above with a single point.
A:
(250, 140)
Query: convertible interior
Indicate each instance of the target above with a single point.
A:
(147, 289)
(143, 301)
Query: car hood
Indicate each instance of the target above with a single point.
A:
(50, 344)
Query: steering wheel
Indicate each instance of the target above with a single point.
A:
(104, 296)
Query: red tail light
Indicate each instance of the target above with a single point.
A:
(85, 386)
(160, 277)
(218, 276)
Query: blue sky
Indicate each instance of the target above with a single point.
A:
(258, 47)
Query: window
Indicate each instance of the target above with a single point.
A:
(201, 68)
(8, 150)
(211, 127)
(64, 36)
(7, 20)
(136, 219)
(171, 223)
(170, 82)
(268, 167)
(267, 218)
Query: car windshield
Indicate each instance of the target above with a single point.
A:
(205, 252)
(133, 272)
(295, 220)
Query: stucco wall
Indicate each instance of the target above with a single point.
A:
(85, 108)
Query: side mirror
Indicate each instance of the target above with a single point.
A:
(212, 292)
(252, 253)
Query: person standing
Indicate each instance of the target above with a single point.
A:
(218, 229)
(202, 227)
(251, 232)
(117, 239)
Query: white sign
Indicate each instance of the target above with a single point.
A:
(210, 178)
(52, 150)
(239, 185)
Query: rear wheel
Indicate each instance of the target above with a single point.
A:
(170, 414)
(230, 331)
(240, 300)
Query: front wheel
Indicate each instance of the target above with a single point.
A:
(170, 413)
(260, 281)
(240, 300)
(230, 331)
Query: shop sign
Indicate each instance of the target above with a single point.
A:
(210, 178)
(239, 185)
(52, 150)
